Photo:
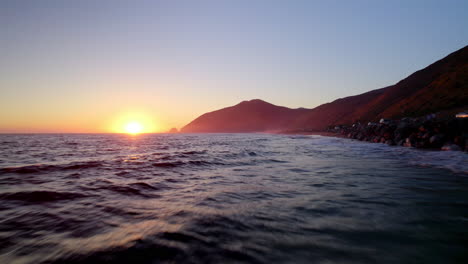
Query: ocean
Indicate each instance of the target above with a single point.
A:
(228, 198)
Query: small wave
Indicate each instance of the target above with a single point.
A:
(24, 169)
(277, 161)
(8, 142)
(143, 185)
(141, 251)
(168, 164)
(120, 211)
(49, 167)
(209, 223)
(187, 163)
(40, 196)
(200, 163)
(194, 152)
(82, 165)
(133, 189)
(454, 161)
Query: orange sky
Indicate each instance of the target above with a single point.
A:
(92, 66)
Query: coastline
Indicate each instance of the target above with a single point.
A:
(446, 134)
(314, 133)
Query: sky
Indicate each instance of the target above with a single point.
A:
(92, 66)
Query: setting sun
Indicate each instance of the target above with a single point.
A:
(133, 128)
(133, 122)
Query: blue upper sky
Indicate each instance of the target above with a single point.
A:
(179, 59)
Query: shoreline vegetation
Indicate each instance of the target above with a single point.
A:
(428, 132)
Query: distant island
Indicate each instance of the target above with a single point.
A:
(441, 88)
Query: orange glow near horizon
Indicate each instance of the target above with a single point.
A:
(134, 123)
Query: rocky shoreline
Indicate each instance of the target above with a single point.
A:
(427, 132)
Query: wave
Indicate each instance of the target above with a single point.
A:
(146, 186)
(134, 189)
(40, 196)
(50, 167)
(193, 152)
(168, 164)
(165, 247)
(42, 168)
(174, 164)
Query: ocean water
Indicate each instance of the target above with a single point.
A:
(228, 198)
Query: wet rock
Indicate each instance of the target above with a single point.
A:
(422, 144)
(403, 125)
(426, 135)
(458, 140)
(407, 143)
(420, 132)
(451, 147)
(436, 140)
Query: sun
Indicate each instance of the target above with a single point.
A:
(133, 128)
(133, 122)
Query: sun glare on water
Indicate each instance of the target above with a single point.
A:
(133, 128)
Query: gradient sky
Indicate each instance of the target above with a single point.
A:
(77, 66)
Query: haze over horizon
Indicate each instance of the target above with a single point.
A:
(88, 67)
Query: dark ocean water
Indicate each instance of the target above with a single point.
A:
(225, 198)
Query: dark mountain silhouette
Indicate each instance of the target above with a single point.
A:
(247, 116)
(337, 112)
(442, 86)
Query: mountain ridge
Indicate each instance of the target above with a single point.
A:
(247, 116)
(441, 86)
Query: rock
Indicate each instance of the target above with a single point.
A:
(403, 125)
(407, 143)
(422, 144)
(426, 135)
(173, 130)
(451, 147)
(412, 132)
(385, 121)
(436, 140)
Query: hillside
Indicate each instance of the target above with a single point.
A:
(442, 86)
(247, 116)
